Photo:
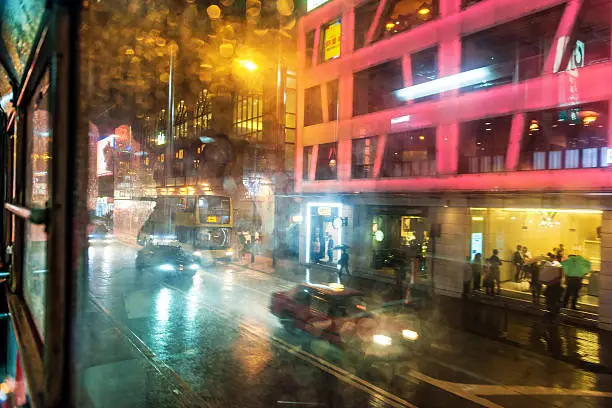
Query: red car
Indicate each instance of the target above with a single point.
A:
(339, 315)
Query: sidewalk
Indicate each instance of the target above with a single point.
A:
(497, 318)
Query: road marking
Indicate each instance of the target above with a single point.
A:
(451, 388)
(158, 365)
(323, 365)
(529, 390)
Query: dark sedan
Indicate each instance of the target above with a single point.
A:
(169, 260)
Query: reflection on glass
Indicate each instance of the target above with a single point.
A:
(20, 21)
(37, 196)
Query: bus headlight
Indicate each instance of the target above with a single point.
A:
(166, 267)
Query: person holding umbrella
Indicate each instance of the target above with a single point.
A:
(574, 267)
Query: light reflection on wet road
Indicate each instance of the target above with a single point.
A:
(216, 334)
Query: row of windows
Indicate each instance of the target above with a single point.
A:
(508, 53)
(565, 138)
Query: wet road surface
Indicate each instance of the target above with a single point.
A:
(211, 341)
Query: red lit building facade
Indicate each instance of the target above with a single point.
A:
(455, 127)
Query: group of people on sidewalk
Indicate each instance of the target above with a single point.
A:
(544, 271)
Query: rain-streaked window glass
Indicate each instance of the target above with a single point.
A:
(410, 154)
(403, 15)
(510, 52)
(327, 162)
(373, 88)
(364, 155)
(20, 24)
(483, 144)
(568, 138)
(37, 196)
(313, 110)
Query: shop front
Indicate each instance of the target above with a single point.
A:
(324, 223)
(399, 231)
(539, 232)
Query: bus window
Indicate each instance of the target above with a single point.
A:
(214, 209)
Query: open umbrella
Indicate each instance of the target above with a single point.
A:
(342, 246)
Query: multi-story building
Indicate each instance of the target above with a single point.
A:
(455, 127)
(260, 122)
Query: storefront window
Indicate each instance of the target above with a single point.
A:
(425, 69)
(324, 232)
(248, 116)
(327, 162)
(310, 39)
(364, 155)
(590, 40)
(404, 15)
(468, 3)
(510, 52)
(37, 196)
(313, 112)
(539, 232)
(483, 145)
(330, 45)
(410, 154)
(364, 18)
(332, 99)
(566, 138)
(373, 88)
(306, 159)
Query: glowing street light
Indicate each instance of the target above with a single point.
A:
(249, 65)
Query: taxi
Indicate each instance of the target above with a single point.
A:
(339, 315)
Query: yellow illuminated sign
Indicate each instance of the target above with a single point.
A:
(211, 218)
(332, 41)
(324, 211)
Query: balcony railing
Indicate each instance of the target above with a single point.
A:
(588, 158)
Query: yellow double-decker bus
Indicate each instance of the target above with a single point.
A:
(202, 224)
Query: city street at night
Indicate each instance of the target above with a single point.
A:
(212, 336)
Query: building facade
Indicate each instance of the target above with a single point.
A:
(448, 128)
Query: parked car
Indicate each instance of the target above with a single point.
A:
(169, 260)
(339, 315)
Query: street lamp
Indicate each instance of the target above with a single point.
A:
(248, 65)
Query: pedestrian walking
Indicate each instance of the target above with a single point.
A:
(517, 260)
(574, 267)
(552, 293)
(536, 285)
(343, 263)
(494, 266)
(477, 271)
(316, 250)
